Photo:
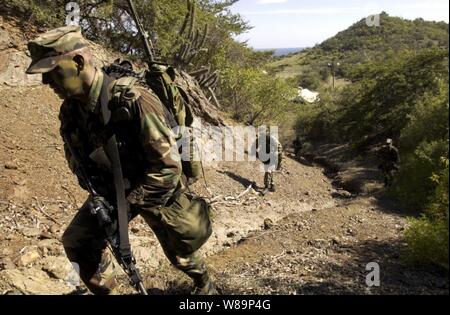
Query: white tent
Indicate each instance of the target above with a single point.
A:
(305, 95)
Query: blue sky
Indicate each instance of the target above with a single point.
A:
(303, 23)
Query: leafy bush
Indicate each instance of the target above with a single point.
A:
(310, 80)
(427, 236)
(428, 242)
(387, 92)
(317, 121)
(424, 141)
(46, 13)
(252, 96)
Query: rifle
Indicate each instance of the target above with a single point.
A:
(148, 46)
(103, 210)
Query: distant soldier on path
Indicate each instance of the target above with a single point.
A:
(270, 152)
(390, 160)
(298, 146)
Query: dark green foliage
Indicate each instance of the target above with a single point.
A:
(254, 97)
(361, 43)
(423, 143)
(45, 13)
(310, 79)
(427, 236)
(380, 102)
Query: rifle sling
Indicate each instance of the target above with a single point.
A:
(113, 153)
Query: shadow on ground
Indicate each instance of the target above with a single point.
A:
(243, 181)
(343, 274)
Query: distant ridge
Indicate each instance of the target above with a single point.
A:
(283, 51)
(360, 44)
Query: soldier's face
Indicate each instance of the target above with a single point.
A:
(65, 79)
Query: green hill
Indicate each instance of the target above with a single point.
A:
(360, 44)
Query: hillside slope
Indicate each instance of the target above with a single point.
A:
(361, 43)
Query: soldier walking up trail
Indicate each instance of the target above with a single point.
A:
(270, 152)
(298, 146)
(152, 170)
(390, 160)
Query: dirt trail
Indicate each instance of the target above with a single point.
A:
(307, 238)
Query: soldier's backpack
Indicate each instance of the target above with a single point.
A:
(160, 78)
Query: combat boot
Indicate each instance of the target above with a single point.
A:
(205, 287)
(104, 281)
(99, 286)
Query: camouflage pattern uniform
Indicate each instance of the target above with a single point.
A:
(271, 158)
(297, 146)
(389, 165)
(150, 161)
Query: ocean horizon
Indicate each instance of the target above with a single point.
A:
(282, 51)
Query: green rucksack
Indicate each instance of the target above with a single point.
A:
(160, 78)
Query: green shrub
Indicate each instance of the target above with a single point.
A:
(428, 242)
(253, 97)
(48, 13)
(427, 236)
(310, 79)
(424, 141)
(413, 184)
(317, 121)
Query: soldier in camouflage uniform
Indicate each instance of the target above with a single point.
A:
(390, 159)
(151, 166)
(297, 143)
(270, 152)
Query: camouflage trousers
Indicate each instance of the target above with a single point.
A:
(85, 245)
(269, 169)
(389, 170)
(268, 180)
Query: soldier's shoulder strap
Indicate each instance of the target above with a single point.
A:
(113, 154)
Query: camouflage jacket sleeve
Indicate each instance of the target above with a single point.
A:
(159, 146)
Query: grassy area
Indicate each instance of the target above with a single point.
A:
(289, 67)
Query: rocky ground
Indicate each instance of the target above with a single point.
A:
(310, 237)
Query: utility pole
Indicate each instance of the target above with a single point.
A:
(333, 65)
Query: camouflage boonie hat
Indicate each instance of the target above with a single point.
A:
(50, 47)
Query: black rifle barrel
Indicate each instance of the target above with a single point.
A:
(146, 41)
